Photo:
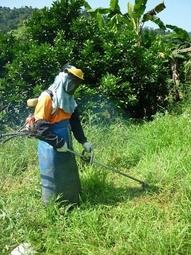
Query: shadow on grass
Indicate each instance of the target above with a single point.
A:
(102, 192)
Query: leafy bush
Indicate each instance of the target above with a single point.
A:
(129, 66)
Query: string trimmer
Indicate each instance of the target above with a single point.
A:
(86, 157)
(89, 158)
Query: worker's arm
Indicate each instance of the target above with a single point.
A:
(76, 127)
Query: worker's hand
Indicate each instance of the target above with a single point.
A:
(30, 123)
(88, 147)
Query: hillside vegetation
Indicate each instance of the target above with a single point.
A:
(116, 215)
(13, 18)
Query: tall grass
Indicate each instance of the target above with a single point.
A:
(116, 215)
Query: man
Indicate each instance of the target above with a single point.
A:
(55, 115)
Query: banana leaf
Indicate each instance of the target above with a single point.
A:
(156, 20)
(139, 8)
(181, 33)
(147, 16)
(114, 6)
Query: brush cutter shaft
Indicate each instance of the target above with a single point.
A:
(6, 137)
(117, 171)
(13, 134)
(107, 167)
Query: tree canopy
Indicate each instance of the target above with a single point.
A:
(122, 60)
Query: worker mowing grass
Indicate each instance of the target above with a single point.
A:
(55, 117)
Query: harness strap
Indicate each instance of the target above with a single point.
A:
(50, 93)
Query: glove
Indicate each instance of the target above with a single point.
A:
(88, 147)
(64, 148)
(30, 123)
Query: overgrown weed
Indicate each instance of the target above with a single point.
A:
(116, 216)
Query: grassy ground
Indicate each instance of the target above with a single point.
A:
(116, 215)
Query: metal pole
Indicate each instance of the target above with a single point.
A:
(12, 135)
(109, 168)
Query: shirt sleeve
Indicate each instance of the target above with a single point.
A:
(76, 127)
(43, 108)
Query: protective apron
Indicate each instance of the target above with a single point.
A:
(58, 170)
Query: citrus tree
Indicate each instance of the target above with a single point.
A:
(122, 60)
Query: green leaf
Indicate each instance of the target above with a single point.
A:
(181, 33)
(115, 21)
(100, 10)
(114, 6)
(156, 20)
(139, 8)
(87, 6)
(159, 8)
(130, 8)
(100, 20)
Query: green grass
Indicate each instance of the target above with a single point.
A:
(116, 215)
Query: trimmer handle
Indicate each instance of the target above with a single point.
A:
(88, 157)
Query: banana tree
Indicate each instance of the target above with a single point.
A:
(134, 18)
(110, 16)
(181, 46)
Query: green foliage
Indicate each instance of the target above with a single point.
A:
(139, 75)
(32, 68)
(187, 70)
(136, 16)
(182, 34)
(129, 65)
(7, 44)
(46, 23)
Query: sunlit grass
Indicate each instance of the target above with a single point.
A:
(116, 215)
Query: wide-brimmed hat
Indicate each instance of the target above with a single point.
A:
(76, 72)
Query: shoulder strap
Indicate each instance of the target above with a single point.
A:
(50, 93)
